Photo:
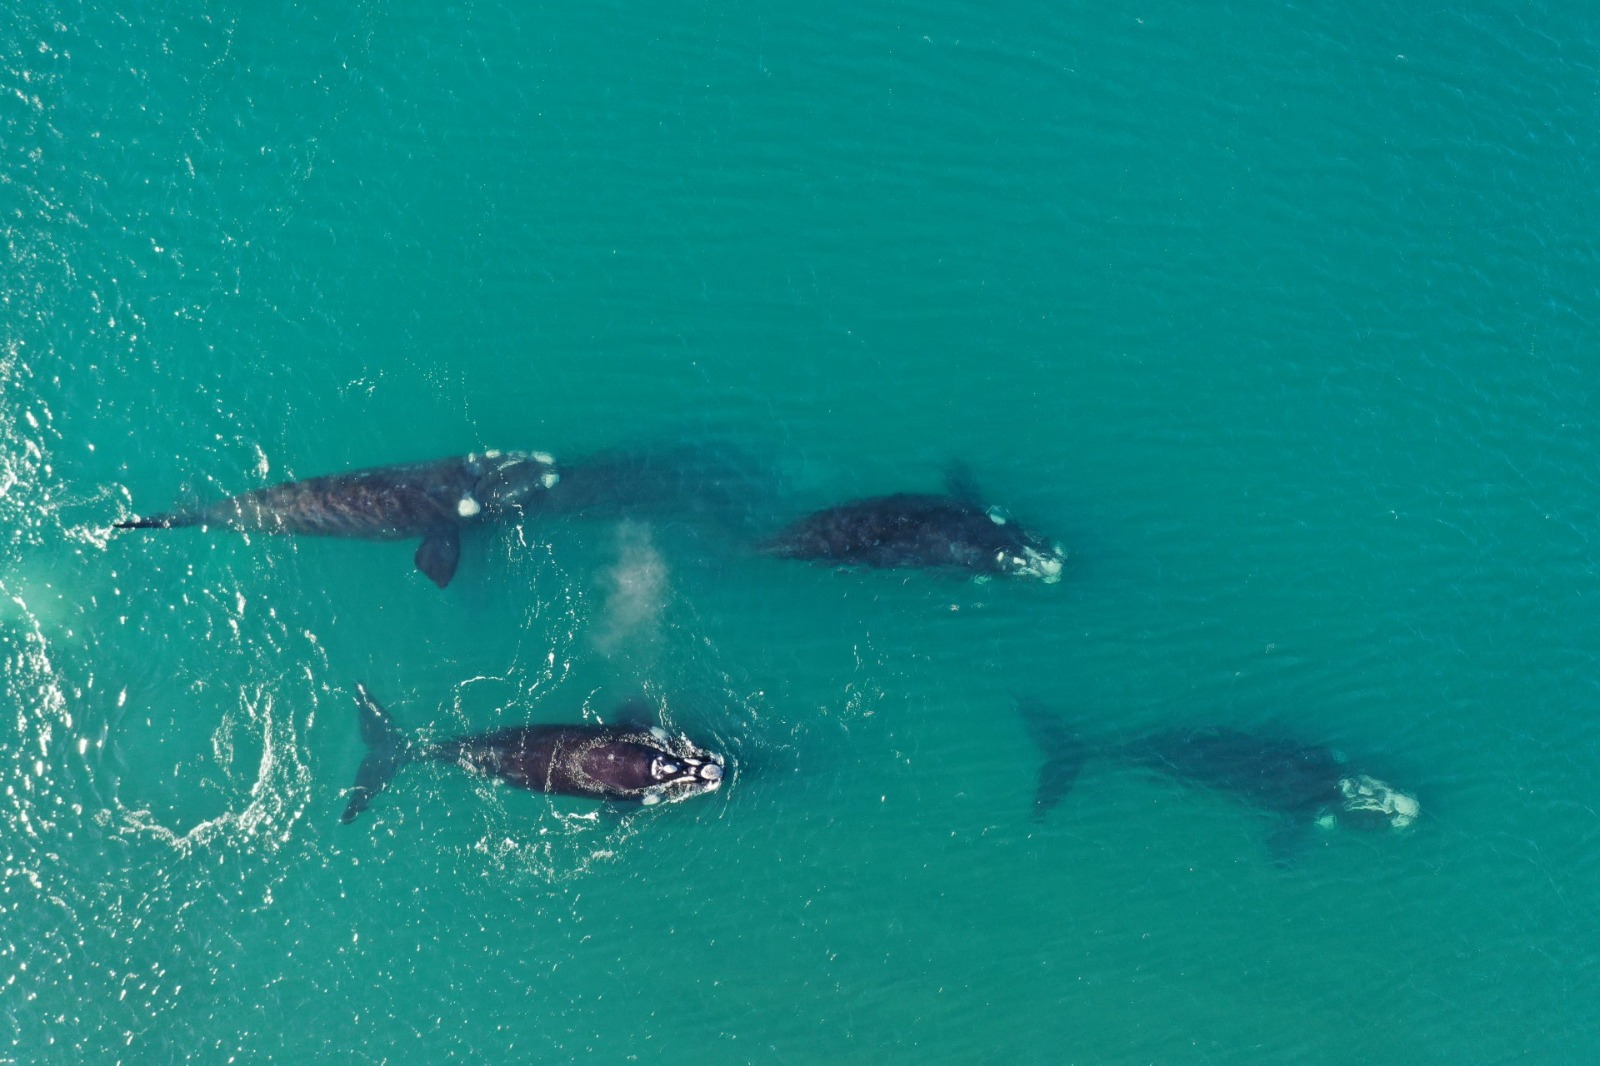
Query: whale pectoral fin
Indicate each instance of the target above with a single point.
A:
(439, 553)
(959, 482)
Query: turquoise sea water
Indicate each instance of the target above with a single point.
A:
(1280, 317)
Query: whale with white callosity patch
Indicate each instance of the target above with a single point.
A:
(953, 531)
(632, 761)
(431, 500)
(1302, 785)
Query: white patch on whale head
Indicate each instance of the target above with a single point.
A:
(650, 799)
(1406, 808)
(659, 733)
(997, 516)
(467, 507)
(1363, 794)
(493, 453)
(545, 457)
(1046, 566)
(549, 479)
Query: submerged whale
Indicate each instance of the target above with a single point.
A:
(708, 485)
(431, 500)
(1302, 785)
(632, 763)
(951, 531)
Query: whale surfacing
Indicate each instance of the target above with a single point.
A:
(919, 530)
(625, 763)
(1303, 785)
(432, 500)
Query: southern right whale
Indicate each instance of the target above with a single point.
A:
(952, 531)
(632, 761)
(1304, 785)
(431, 500)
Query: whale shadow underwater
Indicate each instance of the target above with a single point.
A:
(1302, 786)
(631, 762)
(951, 531)
(705, 486)
(432, 500)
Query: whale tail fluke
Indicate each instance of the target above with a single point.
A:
(1064, 752)
(388, 750)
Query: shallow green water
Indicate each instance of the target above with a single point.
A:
(1282, 320)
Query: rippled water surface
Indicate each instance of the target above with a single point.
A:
(1280, 319)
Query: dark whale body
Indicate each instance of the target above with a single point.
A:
(1301, 784)
(431, 500)
(919, 530)
(625, 763)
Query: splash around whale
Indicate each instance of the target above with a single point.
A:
(432, 500)
(629, 763)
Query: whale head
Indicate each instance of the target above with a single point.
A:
(680, 770)
(511, 479)
(1368, 803)
(1025, 554)
(1043, 562)
(1020, 552)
